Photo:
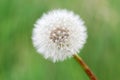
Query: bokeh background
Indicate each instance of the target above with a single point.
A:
(19, 59)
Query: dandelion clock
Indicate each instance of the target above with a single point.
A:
(60, 34)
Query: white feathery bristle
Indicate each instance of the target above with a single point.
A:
(59, 34)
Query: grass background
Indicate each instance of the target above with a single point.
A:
(20, 61)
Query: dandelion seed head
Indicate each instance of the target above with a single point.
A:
(59, 34)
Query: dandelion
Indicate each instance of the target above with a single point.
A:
(59, 34)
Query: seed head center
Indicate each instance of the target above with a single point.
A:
(59, 35)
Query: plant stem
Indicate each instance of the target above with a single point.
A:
(85, 67)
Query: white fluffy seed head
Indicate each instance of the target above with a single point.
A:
(59, 34)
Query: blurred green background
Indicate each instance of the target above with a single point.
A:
(20, 61)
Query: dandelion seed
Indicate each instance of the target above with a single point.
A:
(59, 34)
